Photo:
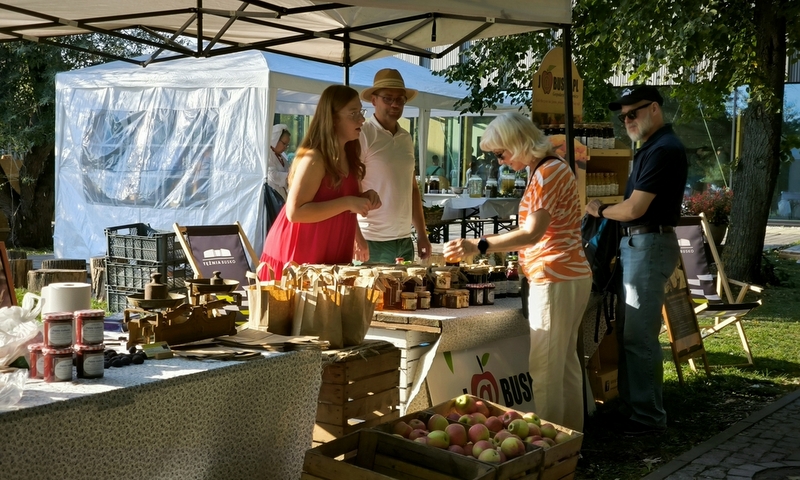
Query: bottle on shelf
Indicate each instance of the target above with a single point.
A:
(475, 186)
(512, 277)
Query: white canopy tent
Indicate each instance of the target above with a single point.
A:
(186, 141)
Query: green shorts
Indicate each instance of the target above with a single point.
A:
(388, 251)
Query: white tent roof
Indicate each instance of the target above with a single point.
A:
(340, 33)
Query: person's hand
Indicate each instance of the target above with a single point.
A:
(593, 208)
(359, 205)
(360, 249)
(459, 248)
(423, 246)
(374, 199)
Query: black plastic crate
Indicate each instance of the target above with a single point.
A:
(116, 298)
(138, 241)
(124, 274)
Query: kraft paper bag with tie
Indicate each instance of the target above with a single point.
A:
(272, 303)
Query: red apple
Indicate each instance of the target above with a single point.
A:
(549, 441)
(437, 422)
(541, 444)
(480, 446)
(417, 424)
(458, 434)
(454, 416)
(509, 416)
(489, 456)
(478, 417)
(416, 433)
(402, 428)
(457, 449)
(533, 429)
(478, 432)
(481, 407)
(468, 449)
(503, 456)
(494, 424)
(518, 427)
(465, 404)
(562, 437)
(502, 435)
(512, 447)
(438, 439)
(466, 420)
(548, 430)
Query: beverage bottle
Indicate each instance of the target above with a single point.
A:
(512, 277)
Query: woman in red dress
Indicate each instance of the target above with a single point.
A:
(318, 223)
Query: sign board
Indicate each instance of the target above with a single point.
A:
(549, 85)
(8, 296)
(496, 371)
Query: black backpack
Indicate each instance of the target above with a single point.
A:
(601, 237)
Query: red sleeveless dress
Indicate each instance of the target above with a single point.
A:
(329, 241)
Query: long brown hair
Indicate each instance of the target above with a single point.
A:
(322, 137)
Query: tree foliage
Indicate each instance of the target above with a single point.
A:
(706, 48)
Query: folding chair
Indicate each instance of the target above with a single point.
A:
(223, 248)
(694, 239)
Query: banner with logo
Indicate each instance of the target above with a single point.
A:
(496, 371)
(549, 85)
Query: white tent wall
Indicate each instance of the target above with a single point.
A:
(142, 169)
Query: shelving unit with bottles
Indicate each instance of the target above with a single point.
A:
(606, 166)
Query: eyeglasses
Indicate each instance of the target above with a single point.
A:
(285, 144)
(631, 115)
(500, 155)
(401, 100)
(358, 113)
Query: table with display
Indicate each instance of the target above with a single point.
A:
(173, 418)
(471, 211)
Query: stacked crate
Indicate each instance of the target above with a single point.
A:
(134, 253)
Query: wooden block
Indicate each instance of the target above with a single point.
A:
(338, 414)
(325, 432)
(340, 394)
(348, 371)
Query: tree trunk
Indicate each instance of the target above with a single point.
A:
(64, 264)
(42, 278)
(756, 170)
(19, 271)
(98, 278)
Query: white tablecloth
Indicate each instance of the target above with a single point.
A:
(461, 207)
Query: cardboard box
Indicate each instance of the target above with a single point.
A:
(604, 383)
(373, 455)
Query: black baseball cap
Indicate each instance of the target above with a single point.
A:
(636, 94)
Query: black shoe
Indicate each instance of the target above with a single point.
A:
(632, 428)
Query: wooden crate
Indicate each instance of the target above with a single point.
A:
(359, 390)
(373, 455)
(413, 342)
(558, 461)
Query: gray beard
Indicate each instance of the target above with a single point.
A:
(645, 126)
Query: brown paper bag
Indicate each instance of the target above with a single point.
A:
(271, 305)
(358, 306)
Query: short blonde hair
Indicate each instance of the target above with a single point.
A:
(517, 134)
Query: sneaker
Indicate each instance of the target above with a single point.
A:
(632, 428)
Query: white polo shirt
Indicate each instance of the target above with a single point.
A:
(389, 162)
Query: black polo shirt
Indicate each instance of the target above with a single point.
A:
(659, 167)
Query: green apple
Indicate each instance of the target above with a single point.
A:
(531, 417)
(518, 427)
(437, 422)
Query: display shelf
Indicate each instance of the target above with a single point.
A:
(605, 160)
(610, 152)
(607, 199)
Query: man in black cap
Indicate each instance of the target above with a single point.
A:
(648, 253)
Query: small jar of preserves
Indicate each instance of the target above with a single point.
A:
(438, 298)
(36, 363)
(423, 300)
(57, 364)
(89, 360)
(452, 299)
(442, 279)
(89, 326)
(409, 300)
(475, 293)
(57, 329)
(488, 293)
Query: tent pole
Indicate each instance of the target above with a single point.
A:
(346, 59)
(568, 130)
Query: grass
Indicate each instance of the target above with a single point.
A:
(705, 406)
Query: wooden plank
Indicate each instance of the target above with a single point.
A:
(340, 394)
(402, 338)
(406, 470)
(338, 414)
(346, 372)
(407, 373)
(308, 476)
(406, 326)
(326, 432)
(561, 469)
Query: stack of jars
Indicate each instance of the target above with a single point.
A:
(593, 135)
(600, 184)
(52, 360)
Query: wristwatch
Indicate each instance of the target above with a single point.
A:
(483, 245)
(600, 211)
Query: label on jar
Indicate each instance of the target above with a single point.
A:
(92, 331)
(93, 364)
(40, 366)
(513, 287)
(62, 368)
(59, 334)
(489, 293)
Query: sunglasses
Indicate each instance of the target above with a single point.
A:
(500, 155)
(631, 115)
(391, 100)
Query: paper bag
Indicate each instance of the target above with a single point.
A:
(271, 305)
(358, 306)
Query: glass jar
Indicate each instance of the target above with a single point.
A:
(433, 185)
(57, 364)
(36, 363)
(442, 279)
(519, 187)
(89, 360)
(488, 293)
(57, 328)
(490, 191)
(512, 277)
(438, 298)
(475, 186)
(452, 299)
(409, 300)
(475, 293)
(89, 326)
(507, 182)
(423, 300)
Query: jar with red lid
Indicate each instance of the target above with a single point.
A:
(57, 329)
(57, 364)
(89, 327)
(89, 360)
(35, 365)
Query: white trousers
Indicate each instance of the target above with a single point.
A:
(555, 312)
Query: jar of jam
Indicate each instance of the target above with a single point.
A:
(89, 360)
(89, 326)
(438, 298)
(475, 293)
(57, 364)
(423, 300)
(57, 329)
(409, 300)
(35, 365)
(488, 293)
(442, 279)
(452, 300)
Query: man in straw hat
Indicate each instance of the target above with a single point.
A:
(388, 154)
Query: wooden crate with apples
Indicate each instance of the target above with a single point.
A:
(359, 389)
(373, 455)
(556, 462)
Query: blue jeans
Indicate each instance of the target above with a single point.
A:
(648, 260)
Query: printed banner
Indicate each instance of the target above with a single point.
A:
(497, 372)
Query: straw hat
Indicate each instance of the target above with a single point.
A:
(388, 78)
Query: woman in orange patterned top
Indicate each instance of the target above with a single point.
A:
(551, 256)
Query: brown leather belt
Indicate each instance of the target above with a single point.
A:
(640, 229)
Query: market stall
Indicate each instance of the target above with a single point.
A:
(172, 418)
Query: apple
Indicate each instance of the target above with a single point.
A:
(549, 441)
(494, 424)
(457, 449)
(480, 407)
(541, 444)
(509, 416)
(480, 446)
(453, 416)
(402, 428)
(512, 447)
(548, 430)
(489, 456)
(416, 433)
(437, 422)
(466, 419)
(478, 432)
(417, 424)
(465, 404)
(422, 440)
(531, 417)
(503, 456)
(468, 449)
(439, 439)
(533, 429)
(458, 434)
(562, 437)
(478, 417)
(518, 427)
(502, 435)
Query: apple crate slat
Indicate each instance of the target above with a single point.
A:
(557, 462)
(374, 455)
(359, 390)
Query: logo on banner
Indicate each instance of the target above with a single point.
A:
(509, 391)
(217, 256)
